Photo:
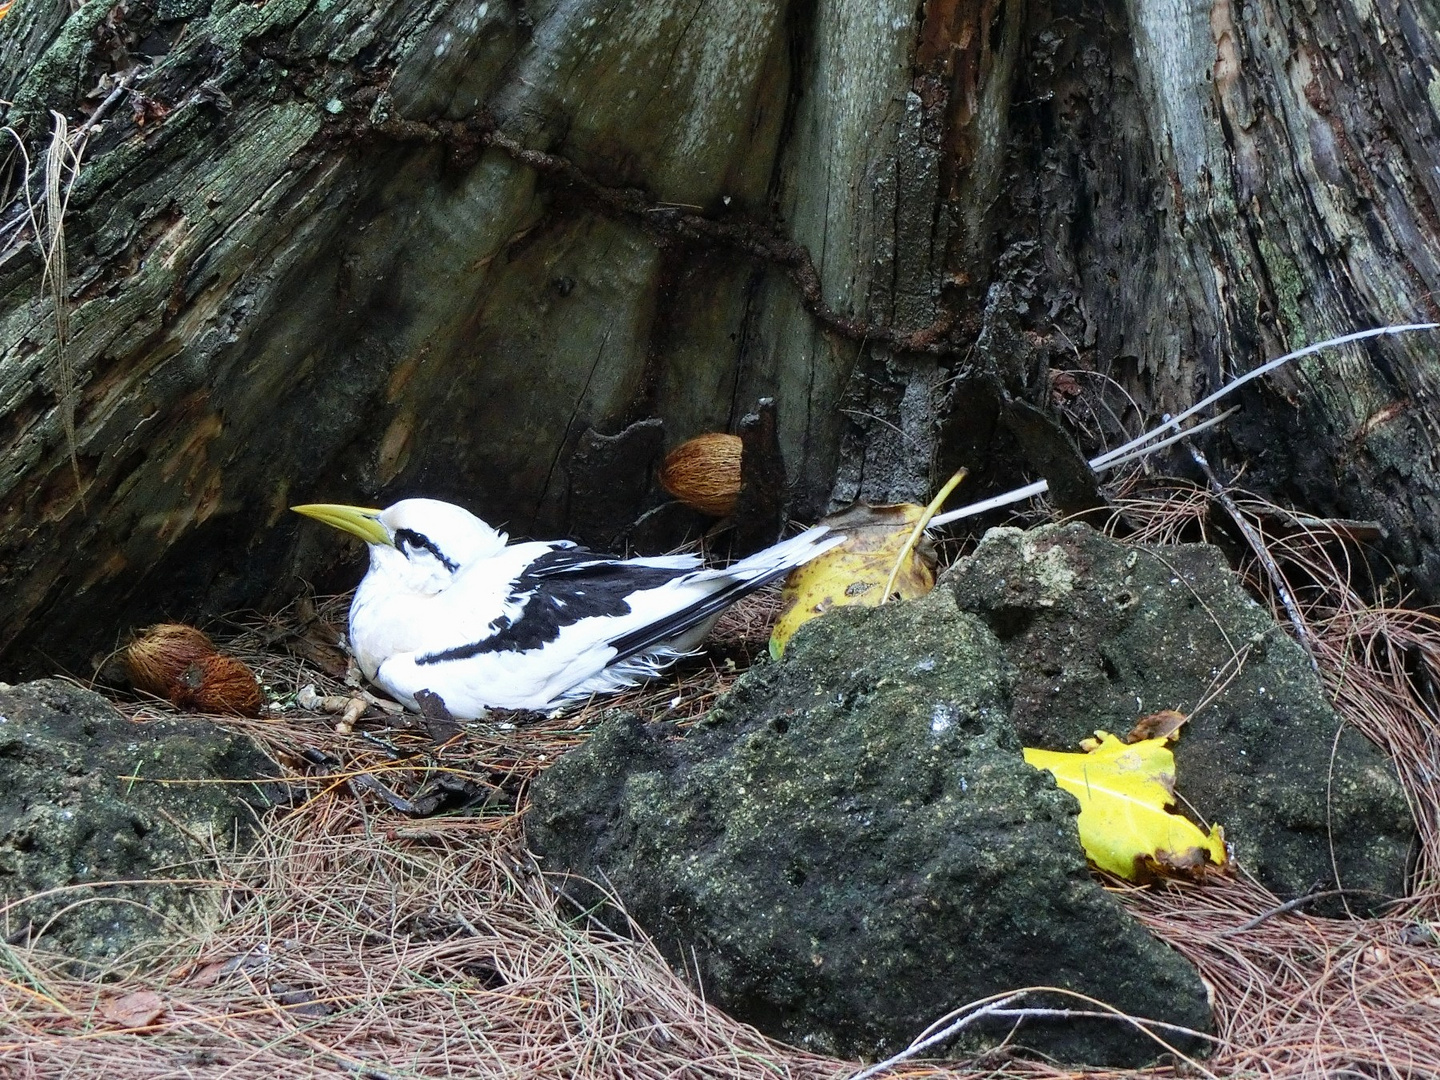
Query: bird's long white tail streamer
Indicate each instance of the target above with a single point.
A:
(1170, 431)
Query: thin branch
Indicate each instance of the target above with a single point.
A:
(1265, 369)
(939, 1037)
(999, 1007)
(58, 157)
(1289, 906)
(1132, 451)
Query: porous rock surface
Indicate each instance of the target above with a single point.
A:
(1101, 633)
(70, 813)
(851, 845)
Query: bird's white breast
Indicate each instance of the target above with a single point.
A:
(390, 617)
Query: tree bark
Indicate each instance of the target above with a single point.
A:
(321, 250)
(1188, 188)
(331, 251)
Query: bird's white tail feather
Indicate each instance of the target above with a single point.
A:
(684, 625)
(788, 553)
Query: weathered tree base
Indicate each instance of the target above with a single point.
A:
(352, 253)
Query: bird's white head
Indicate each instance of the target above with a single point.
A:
(419, 543)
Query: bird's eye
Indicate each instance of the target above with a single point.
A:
(410, 541)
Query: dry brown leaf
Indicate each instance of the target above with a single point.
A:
(1165, 724)
(137, 1010)
(300, 1001)
(210, 974)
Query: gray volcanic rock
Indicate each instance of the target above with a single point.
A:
(70, 814)
(851, 845)
(1102, 632)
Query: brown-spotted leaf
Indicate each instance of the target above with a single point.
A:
(855, 571)
(1127, 821)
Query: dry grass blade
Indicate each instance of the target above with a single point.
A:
(47, 222)
(62, 166)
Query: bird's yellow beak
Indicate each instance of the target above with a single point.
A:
(356, 520)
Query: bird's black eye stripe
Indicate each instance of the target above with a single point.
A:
(414, 539)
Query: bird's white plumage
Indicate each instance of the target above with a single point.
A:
(449, 606)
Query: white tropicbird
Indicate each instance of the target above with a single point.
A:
(450, 606)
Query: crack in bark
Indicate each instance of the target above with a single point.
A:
(465, 139)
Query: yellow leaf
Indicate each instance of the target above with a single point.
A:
(1126, 793)
(885, 553)
(855, 572)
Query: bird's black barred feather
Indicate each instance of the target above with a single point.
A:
(656, 634)
(560, 588)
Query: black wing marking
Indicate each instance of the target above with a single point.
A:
(566, 558)
(560, 588)
(656, 634)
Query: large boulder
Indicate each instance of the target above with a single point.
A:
(1101, 633)
(851, 845)
(80, 806)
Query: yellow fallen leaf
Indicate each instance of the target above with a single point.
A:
(885, 553)
(854, 572)
(1126, 793)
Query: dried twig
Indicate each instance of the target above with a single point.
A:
(1257, 545)
(60, 158)
(1282, 909)
(1170, 431)
(62, 168)
(974, 1014)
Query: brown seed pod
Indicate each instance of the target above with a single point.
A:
(155, 659)
(222, 684)
(180, 663)
(705, 473)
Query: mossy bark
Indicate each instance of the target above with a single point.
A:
(322, 250)
(1184, 189)
(302, 269)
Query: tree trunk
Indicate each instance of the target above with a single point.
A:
(1187, 189)
(331, 251)
(321, 251)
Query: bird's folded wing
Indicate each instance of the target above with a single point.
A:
(558, 587)
(718, 589)
(567, 558)
(659, 632)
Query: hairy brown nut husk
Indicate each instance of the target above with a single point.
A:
(704, 473)
(181, 664)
